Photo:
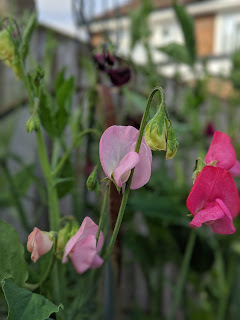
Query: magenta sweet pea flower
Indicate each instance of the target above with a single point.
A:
(235, 170)
(222, 151)
(39, 243)
(83, 248)
(118, 157)
(214, 200)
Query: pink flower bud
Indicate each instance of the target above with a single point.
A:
(39, 243)
(83, 248)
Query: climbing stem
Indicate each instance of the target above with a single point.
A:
(54, 214)
(103, 212)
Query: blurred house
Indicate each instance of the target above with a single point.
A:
(217, 29)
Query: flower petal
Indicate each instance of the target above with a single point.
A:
(211, 184)
(235, 170)
(88, 227)
(83, 253)
(221, 149)
(210, 213)
(97, 262)
(123, 170)
(142, 172)
(115, 143)
(217, 216)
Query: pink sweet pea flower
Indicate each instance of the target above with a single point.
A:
(83, 249)
(118, 157)
(39, 243)
(214, 200)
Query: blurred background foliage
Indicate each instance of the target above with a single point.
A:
(155, 230)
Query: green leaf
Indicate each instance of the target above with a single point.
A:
(12, 255)
(60, 78)
(187, 25)
(137, 101)
(22, 181)
(65, 182)
(64, 99)
(46, 113)
(139, 22)
(176, 52)
(31, 26)
(25, 305)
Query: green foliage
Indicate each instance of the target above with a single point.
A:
(28, 31)
(235, 73)
(187, 25)
(90, 69)
(176, 52)
(139, 22)
(25, 305)
(22, 181)
(65, 182)
(54, 120)
(135, 101)
(12, 255)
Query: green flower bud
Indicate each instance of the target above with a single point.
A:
(172, 142)
(92, 181)
(38, 76)
(33, 123)
(64, 234)
(156, 131)
(8, 52)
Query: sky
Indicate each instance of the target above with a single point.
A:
(52, 10)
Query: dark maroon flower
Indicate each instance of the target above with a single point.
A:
(99, 59)
(119, 76)
(209, 130)
(110, 59)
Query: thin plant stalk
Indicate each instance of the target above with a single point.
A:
(182, 276)
(224, 299)
(103, 212)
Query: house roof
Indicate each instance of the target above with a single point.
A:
(135, 4)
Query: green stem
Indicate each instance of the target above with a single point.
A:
(103, 212)
(67, 153)
(128, 184)
(182, 275)
(53, 205)
(54, 214)
(55, 153)
(224, 299)
(27, 84)
(15, 197)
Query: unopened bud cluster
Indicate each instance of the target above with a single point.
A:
(160, 133)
